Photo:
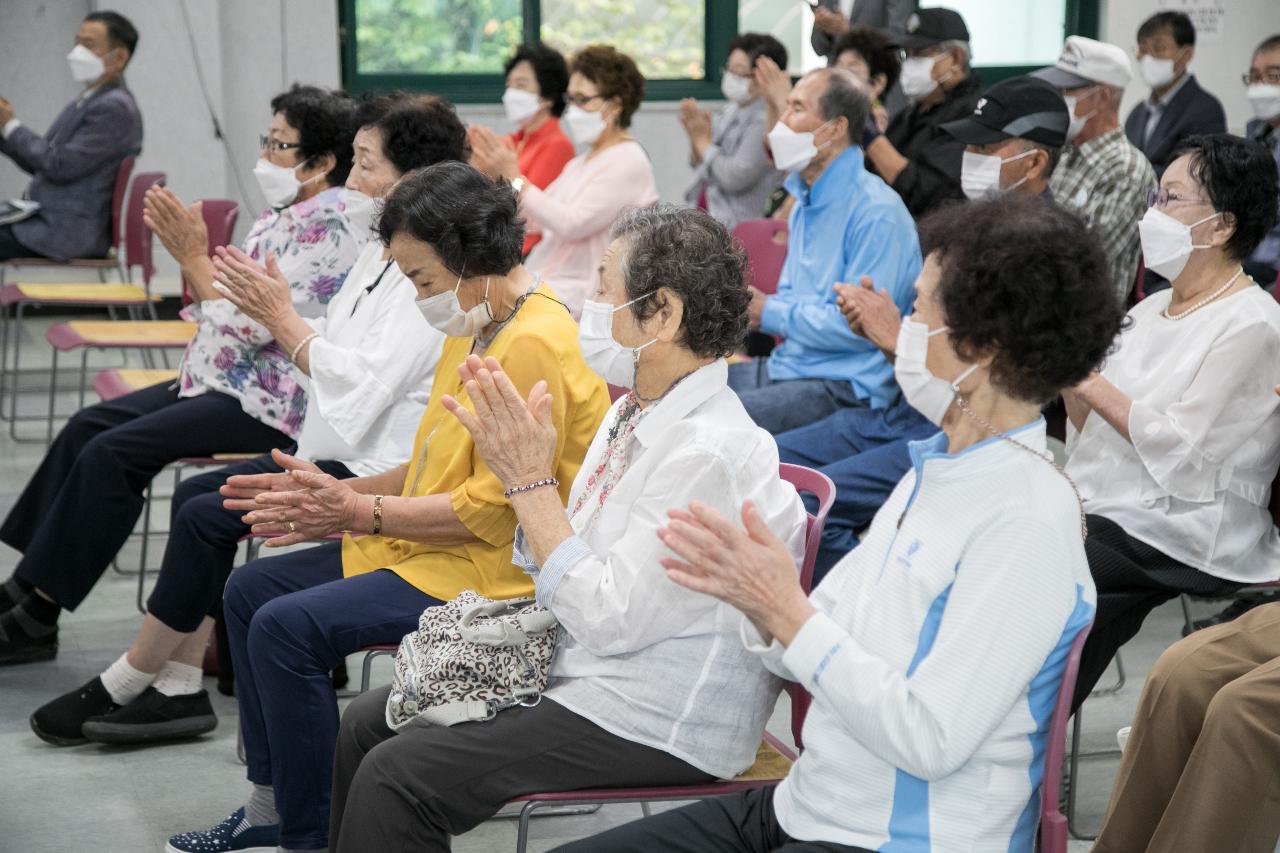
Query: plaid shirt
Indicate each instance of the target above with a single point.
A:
(1105, 181)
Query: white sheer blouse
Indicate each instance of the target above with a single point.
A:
(1196, 479)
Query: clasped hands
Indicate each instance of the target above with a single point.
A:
(299, 504)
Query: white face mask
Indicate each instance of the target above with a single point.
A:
(359, 210)
(1156, 72)
(86, 66)
(279, 184)
(1265, 100)
(519, 105)
(584, 127)
(793, 151)
(444, 312)
(614, 363)
(924, 392)
(916, 76)
(735, 88)
(980, 174)
(1166, 242)
(1077, 124)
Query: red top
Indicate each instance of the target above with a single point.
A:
(541, 155)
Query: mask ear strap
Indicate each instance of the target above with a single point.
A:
(955, 383)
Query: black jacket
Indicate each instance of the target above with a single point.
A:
(1192, 111)
(932, 175)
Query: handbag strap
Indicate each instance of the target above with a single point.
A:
(500, 632)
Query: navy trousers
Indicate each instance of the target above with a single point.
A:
(290, 620)
(865, 453)
(203, 538)
(780, 405)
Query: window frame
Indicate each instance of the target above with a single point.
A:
(719, 27)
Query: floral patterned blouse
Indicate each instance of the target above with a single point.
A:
(315, 246)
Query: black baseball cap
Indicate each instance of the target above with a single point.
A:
(929, 27)
(1021, 107)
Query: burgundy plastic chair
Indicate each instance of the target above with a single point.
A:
(137, 236)
(220, 217)
(1053, 823)
(764, 253)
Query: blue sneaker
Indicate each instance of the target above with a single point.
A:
(234, 833)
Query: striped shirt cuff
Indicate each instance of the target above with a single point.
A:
(519, 557)
(813, 648)
(567, 554)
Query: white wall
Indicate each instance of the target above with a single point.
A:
(251, 49)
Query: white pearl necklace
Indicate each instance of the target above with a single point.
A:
(1206, 300)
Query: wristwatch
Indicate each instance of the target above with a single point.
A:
(519, 184)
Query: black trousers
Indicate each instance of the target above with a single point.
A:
(83, 501)
(739, 823)
(1132, 579)
(203, 537)
(412, 790)
(11, 247)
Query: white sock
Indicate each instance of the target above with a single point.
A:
(123, 682)
(178, 679)
(261, 808)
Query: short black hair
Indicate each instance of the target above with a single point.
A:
(326, 124)
(1180, 27)
(1239, 176)
(756, 45)
(120, 30)
(422, 130)
(1023, 279)
(689, 252)
(469, 220)
(881, 55)
(843, 97)
(549, 68)
(1269, 43)
(370, 108)
(615, 74)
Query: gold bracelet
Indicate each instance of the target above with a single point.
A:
(377, 514)
(293, 356)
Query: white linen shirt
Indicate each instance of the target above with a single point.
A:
(641, 657)
(371, 370)
(1205, 427)
(936, 655)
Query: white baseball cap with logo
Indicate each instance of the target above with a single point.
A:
(1084, 61)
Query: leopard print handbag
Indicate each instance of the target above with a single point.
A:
(469, 659)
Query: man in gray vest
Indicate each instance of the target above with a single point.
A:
(75, 163)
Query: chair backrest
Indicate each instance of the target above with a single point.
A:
(1140, 281)
(220, 215)
(1053, 823)
(764, 253)
(820, 486)
(137, 236)
(117, 201)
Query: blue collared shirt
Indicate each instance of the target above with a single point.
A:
(850, 223)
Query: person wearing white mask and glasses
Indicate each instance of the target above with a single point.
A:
(913, 154)
(537, 77)
(74, 165)
(1262, 84)
(1178, 107)
(421, 532)
(732, 175)
(368, 363)
(1101, 175)
(1175, 443)
(649, 682)
(845, 224)
(237, 390)
(613, 173)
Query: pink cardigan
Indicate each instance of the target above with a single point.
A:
(575, 213)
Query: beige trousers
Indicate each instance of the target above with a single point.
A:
(1201, 769)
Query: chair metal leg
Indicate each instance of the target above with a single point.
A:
(84, 376)
(1188, 622)
(53, 388)
(522, 828)
(1120, 679)
(147, 498)
(1073, 778)
(645, 810)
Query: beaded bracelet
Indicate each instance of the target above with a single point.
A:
(377, 514)
(293, 356)
(515, 490)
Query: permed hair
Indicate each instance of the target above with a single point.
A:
(1239, 176)
(326, 124)
(615, 74)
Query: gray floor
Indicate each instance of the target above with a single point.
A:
(95, 798)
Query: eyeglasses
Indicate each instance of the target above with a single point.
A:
(1271, 76)
(581, 101)
(275, 146)
(1164, 198)
(742, 74)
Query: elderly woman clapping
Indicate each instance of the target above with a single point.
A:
(649, 685)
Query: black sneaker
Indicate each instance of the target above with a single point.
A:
(61, 722)
(152, 717)
(25, 640)
(1238, 607)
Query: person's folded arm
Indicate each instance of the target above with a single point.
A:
(1000, 621)
(98, 140)
(932, 177)
(744, 168)
(595, 206)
